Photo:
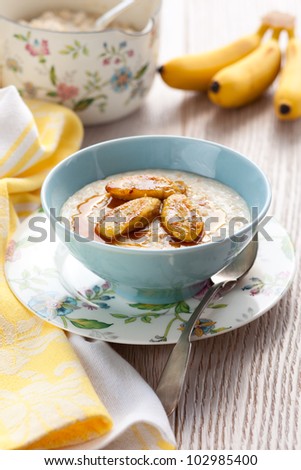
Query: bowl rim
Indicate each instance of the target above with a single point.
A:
(149, 27)
(152, 251)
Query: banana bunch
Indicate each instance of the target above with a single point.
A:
(244, 81)
(240, 72)
(195, 71)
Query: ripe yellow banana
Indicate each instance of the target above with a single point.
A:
(287, 100)
(194, 71)
(244, 81)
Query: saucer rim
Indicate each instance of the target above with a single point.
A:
(119, 340)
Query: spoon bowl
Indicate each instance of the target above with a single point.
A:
(172, 380)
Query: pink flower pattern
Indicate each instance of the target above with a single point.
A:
(123, 76)
(205, 285)
(12, 254)
(38, 48)
(66, 92)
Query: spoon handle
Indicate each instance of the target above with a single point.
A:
(108, 17)
(172, 379)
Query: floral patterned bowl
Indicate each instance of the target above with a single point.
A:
(101, 75)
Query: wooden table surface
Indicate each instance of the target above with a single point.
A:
(243, 387)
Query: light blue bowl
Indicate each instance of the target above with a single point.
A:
(156, 276)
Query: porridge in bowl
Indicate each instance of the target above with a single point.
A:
(156, 209)
(68, 20)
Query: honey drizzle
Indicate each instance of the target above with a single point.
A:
(84, 224)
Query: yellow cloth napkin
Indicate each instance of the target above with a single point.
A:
(47, 400)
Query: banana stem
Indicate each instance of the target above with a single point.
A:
(262, 29)
(276, 33)
(291, 33)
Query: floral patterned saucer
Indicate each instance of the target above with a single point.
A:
(57, 288)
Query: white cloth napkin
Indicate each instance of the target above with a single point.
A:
(130, 401)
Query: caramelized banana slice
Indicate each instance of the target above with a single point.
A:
(182, 218)
(132, 215)
(136, 186)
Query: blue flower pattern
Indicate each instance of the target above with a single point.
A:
(121, 79)
(255, 286)
(50, 304)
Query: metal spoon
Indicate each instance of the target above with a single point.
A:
(172, 379)
(103, 21)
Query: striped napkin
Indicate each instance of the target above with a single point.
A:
(57, 392)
